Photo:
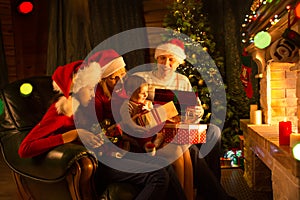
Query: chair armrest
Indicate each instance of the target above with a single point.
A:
(49, 167)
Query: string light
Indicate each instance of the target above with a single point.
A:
(256, 8)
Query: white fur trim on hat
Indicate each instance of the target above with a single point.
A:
(87, 76)
(169, 48)
(113, 66)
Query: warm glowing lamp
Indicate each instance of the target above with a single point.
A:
(262, 40)
(296, 151)
(25, 7)
(297, 10)
(26, 89)
(1, 107)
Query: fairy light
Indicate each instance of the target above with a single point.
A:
(255, 10)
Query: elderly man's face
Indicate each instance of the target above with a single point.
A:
(167, 64)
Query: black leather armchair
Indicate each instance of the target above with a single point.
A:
(65, 172)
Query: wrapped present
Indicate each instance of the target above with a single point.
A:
(181, 99)
(182, 133)
(158, 115)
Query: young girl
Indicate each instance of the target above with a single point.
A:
(137, 90)
(76, 85)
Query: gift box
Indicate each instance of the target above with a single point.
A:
(158, 115)
(181, 99)
(181, 133)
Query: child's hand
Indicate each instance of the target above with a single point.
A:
(159, 139)
(88, 138)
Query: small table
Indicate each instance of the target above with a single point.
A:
(262, 149)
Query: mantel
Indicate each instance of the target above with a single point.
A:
(263, 142)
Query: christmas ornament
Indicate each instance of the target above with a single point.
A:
(292, 36)
(282, 50)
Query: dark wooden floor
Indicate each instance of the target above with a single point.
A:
(232, 181)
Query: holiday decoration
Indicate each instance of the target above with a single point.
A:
(158, 115)
(262, 40)
(180, 133)
(263, 10)
(245, 75)
(26, 89)
(282, 50)
(292, 36)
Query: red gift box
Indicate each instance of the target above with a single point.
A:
(185, 133)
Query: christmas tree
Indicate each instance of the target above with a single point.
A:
(204, 66)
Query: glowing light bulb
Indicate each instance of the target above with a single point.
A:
(26, 89)
(262, 40)
(296, 151)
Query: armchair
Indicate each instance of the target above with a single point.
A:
(65, 172)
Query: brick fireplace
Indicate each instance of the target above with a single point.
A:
(279, 96)
(269, 166)
(279, 86)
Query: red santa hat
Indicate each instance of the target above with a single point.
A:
(63, 76)
(109, 60)
(174, 47)
(70, 78)
(73, 76)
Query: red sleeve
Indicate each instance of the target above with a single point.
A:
(46, 134)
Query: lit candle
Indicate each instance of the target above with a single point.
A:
(294, 139)
(257, 117)
(253, 108)
(285, 129)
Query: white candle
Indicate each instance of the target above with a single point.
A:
(294, 139)
(257, 117)
(253, 108)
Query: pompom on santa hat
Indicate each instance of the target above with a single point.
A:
(173, 47)
(73, 76)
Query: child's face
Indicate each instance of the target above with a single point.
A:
(140, 94)
(85, 94)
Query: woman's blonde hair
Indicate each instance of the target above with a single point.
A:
(105, 89)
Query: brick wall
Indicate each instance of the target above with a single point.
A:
(281, 95)
(283, 104)
(280, 92)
